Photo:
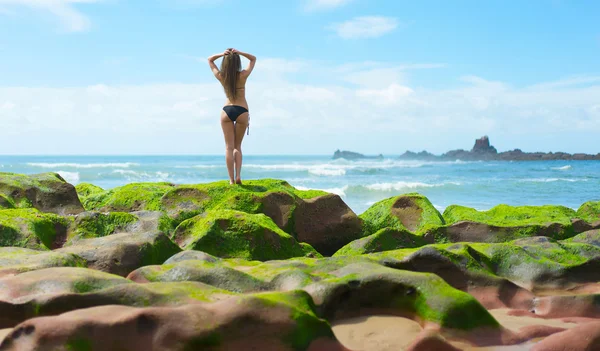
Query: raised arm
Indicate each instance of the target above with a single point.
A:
(213, 67)
(251, 58)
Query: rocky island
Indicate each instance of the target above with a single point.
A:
(483, 151)
(265, 266)
(349, 155)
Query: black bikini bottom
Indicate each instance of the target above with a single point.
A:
(234, 111)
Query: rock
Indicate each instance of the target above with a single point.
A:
(582, 337)
(590, 211)
(128, 198)
(483, 146)
(54, 291)
(349, 155)
(591, 237)
(227, 233)
(483, 151)
(86, 189)
(122, 253)
(47, 192)
(234, 324)
(30, 228)
(326, 223)
(503, 223)
(464, 268)
(277, 199)
(14, 260)
(469, 231)
(429, 340)
(410, 211)
(93, 224)
(192, 255)
(561, 306)
(5, 202)
(214, 274)
(383, 240)
(366, 288)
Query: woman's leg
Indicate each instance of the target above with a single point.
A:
(229, 134)
(240, 129)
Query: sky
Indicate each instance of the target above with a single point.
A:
(373, 76)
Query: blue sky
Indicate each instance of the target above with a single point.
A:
(130, 77)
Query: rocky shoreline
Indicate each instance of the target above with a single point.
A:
(481, 151)
(265, 266)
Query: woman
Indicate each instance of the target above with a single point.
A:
(235, 116)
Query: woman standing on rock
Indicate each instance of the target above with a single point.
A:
(234, 117)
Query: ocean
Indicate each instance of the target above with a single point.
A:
(480, 185)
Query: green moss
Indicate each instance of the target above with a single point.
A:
(29, 228)
(94, 224)
(504, 215)
(6, 202)
(130, 197)
(227, 233)
(590, 211)
(79, 344)
(385, 214)
(383, 240)
(309, 326)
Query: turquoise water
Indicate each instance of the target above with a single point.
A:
(360, 183)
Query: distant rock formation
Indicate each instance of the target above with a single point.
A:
(349, 155)
(484, 151)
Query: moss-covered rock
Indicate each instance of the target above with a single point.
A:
(590, 211)
(228, 233)
(360, 287)
(47, 192)
(93, 224)
(15, 260)
(536, 263)
(268, 321)
(222, 276)
(128, 198)
(413, 212)
(6, 202)
(122, 253)
(591, 237)
(504, 223)
(86, 189)
(51, 292)
(383, 240)
(30, 228)
(275, 198)
(504, 215)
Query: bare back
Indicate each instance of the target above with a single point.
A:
(240, 98)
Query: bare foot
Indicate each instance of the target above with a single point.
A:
(231, 182)
(239, 181)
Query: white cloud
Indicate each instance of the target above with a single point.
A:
(64, 10)
(365, 27)
(315, 5)
(288, 117)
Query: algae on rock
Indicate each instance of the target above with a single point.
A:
(30, 228)
(228, 233)
(412, 212)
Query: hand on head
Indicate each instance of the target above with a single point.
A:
(230, 51)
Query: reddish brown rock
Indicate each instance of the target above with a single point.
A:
(585, 337)
(326, 223)
(241, 323)
(122, 253)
